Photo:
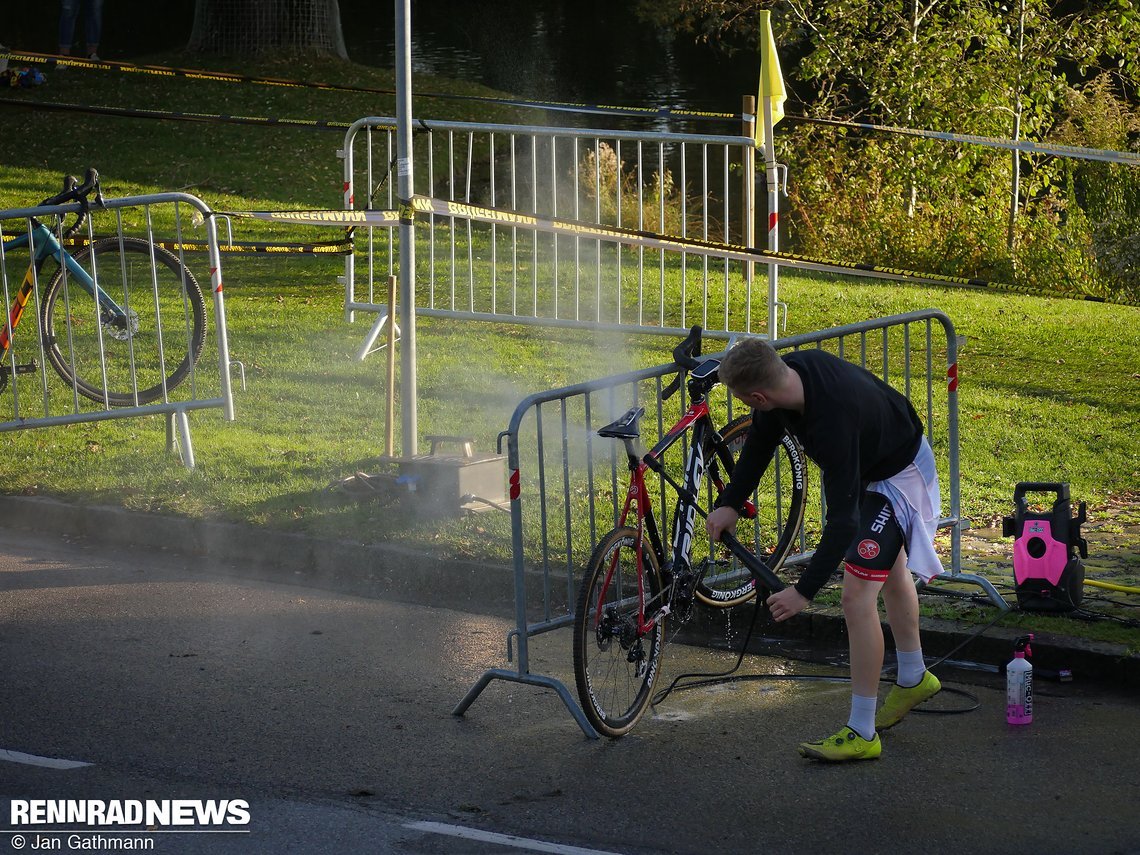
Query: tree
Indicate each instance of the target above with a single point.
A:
(247, 27)
(968, 66)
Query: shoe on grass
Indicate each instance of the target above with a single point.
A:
(900, 701)
(845, 745)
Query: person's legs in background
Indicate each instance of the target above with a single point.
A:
(93, 22)
(68, 12)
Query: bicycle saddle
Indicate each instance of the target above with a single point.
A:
(626, 426)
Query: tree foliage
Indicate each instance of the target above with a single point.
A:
(985, 67)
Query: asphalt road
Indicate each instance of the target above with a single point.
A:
(330, 715)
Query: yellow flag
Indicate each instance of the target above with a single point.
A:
(771, 80)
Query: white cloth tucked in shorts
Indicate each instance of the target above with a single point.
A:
(917, 503)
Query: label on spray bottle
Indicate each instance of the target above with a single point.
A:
(1019, 685)
(1019, 698)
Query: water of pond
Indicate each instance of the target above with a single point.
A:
(561, 50)
(593, 51)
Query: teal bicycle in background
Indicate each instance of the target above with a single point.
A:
(122, 321)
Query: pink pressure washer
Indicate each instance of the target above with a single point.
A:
(1047, 572)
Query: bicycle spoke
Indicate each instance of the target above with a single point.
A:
(615, 665)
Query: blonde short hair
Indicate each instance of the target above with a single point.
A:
(752, 364)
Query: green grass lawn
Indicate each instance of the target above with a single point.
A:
(1050, 389)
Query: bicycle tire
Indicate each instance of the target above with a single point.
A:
(613, 668)
(780, 501)
(140, 360)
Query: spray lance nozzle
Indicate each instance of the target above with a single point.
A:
(1021, 645)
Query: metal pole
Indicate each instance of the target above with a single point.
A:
(770, 173)
(408, 412)
(348, 199)
(220, 318)
(390, 422)
(749, 130)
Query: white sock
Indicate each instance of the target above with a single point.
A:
(862, 719)
(911, 667)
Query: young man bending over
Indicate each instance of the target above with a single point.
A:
(882, 513)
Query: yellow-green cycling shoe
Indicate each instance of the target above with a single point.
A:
(900, 701)
(845, 745)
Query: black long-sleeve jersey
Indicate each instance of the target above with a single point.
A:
(854, 426)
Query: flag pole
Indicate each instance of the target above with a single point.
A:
(749, 113)
(771, 98)
(771, 176)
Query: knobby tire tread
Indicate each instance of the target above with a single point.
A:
(56, 339)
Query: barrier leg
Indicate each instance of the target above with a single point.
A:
(530, 680)
(180, 440)
(982, 582)
(373, 334)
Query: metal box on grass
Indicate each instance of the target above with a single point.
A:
(450, 484)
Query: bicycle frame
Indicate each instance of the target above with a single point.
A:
(42, 245)
(685, 512)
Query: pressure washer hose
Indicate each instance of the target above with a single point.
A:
(1125, 588)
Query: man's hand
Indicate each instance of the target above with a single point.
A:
(720, 520)
(786, 603)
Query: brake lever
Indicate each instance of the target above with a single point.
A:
(684, 353)
(91, 182)
(66, 195)
(80, 194)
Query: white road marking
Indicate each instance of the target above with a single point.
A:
(46, 762)
(502, 839)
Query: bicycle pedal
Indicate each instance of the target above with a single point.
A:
(22, 368)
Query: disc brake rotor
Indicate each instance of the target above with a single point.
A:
(119, 330)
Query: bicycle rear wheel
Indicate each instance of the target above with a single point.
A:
(614, 666)
(136, 357)
(780, 501)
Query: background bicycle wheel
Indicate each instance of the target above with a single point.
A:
(132, 360)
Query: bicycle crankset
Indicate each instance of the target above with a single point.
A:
(7, 371)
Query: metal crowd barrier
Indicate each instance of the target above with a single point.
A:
(115, 251)
(566, 483)
(680, 184)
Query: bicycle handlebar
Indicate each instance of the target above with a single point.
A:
(683, 356)
(691, 347)
(74, 191)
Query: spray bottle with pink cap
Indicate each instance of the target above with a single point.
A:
(1019, 683)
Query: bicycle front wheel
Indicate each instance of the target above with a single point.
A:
(139, 354)
(615, 666)
(780, 501)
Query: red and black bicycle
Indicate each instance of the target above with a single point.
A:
(632, 585)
